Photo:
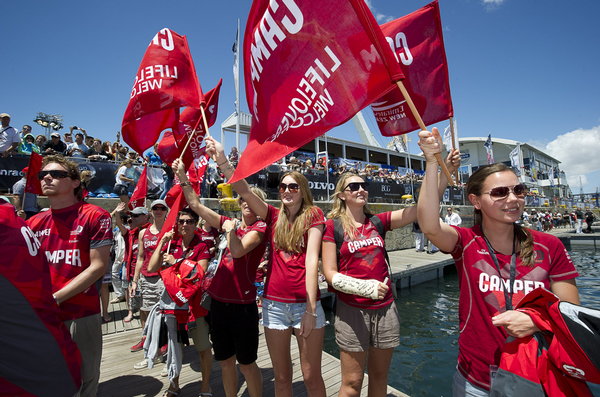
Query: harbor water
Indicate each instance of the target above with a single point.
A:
(425, 361)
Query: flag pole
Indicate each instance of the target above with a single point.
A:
(214, 157)
(415, 113)
(453, 144)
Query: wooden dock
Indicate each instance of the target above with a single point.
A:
(119, 379)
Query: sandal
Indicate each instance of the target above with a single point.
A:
(171, 392)
(128, 319)
(117, 300)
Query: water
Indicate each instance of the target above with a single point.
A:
(425, 361)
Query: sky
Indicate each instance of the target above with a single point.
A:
(525, 70)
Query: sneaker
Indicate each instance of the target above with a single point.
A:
(142, 364)
(138, 346)
(165, 372)
(164, 349)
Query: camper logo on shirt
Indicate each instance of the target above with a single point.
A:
(77, 231)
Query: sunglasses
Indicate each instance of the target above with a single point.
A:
(354, 186)
(502, 192)
(55, 174)
(293, 187)
(161, 208)
(136, 215)
(185, 222)
(129, 220)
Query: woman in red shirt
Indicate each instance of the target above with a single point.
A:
(494, 253)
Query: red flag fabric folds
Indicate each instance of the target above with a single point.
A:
(138, 198)
(33, 184)
(418, 44)
(310, 66)
(166, 80)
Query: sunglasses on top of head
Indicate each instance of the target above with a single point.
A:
(355, 186)
(293, 187)
(55, 174)
(502, 192)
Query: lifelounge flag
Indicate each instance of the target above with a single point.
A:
(166, 81)
(309, 66)
(418, 45)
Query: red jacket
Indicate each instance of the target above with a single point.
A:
(556, 361)
(182, 283)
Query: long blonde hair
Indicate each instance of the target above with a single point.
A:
(523, 235)
(339, 206)
(292, 239)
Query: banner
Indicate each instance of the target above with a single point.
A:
(33, 184)
(488, 148)
(515, 159)
(418, 44)
(532, 167)
(309, 66)
(448, 137)
(138, 198)
(166, 80)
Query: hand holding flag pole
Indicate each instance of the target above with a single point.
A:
(415, 113)
(194, 132)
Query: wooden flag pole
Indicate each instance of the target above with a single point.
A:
(214, 157)
(453, 144)
(415, 113)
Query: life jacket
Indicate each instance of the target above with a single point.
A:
(559, 360)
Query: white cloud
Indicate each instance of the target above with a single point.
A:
(578, 154)
(575, 183)
(491, 4)
(381, 18)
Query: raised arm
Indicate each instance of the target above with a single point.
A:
(117, 211)
(158, 257)
(211, 217)
(214, 149)
(441, 235)
(406, 216)
(240, 247)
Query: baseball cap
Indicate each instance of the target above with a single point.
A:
(159, 202)
(26, 169)
(4, 115)
(140, 211)
(55, 134)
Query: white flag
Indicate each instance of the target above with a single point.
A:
(448, 137)
(515, 160)
(488, 148)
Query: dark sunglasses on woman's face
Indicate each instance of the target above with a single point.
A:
(55, 174)
(354, 186)
(185, 222)
(293, 187)
(502, 192)
(159, 208)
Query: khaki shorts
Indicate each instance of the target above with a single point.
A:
(151, 289)
(200, 335)
(356, 330)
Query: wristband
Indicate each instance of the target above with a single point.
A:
(312, 314)
(184, 184)
(226, 160)
(355, 286)
(56, 299)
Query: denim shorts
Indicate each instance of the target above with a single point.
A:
(279, 315)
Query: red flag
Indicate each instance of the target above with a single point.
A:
(33, 184)
(166, 80)
(172, 144)
(138, 198)
(309, 66)
(418, 44)
(171, 221)
(192, 174)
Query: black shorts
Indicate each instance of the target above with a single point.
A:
(234, 331)
(121, 190)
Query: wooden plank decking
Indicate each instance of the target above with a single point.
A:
(118, 378)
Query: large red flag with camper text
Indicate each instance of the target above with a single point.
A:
(166, 80)
(138, 198)
(418, 44)
(309, 66)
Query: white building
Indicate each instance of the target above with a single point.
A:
(536, 166)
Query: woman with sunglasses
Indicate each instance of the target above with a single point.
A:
(367, 323)
(497, 251)
(234, 314)
(188, 245)
(148, 282)
(291, 297)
